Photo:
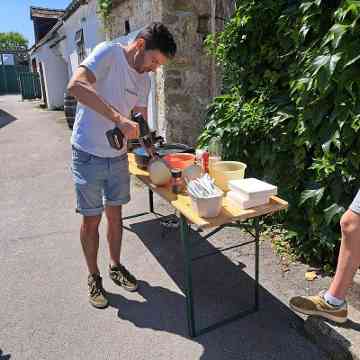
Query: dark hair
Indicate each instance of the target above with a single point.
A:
(158, 37)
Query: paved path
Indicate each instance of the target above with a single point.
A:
(44, 313)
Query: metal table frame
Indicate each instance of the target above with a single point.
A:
(188, 260)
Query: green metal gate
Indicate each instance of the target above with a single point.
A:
(12, 62)
(29, 85)
(9, 83)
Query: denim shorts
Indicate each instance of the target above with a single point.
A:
(99, 182)
(355, 205)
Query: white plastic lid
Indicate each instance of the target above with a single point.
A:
(253, 186)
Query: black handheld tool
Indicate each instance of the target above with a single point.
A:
(115, 138)
(143, 125)
(146, 139)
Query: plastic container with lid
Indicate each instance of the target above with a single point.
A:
(251, 188)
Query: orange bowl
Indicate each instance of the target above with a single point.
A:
(179, 160)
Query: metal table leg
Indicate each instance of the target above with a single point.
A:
(151, 206)
(185, 238)
(151, 200)
(257, 239)
(184, 228)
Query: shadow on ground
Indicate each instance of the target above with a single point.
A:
(354, 296)
(4, 356)
(6, 118)
(222, 288)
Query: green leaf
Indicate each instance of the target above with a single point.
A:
(309, 194)
(327, 62)
(331, 211)
(352, 61)
(319, 62)
(306, 6)
(333, 140)
(338, 31)
(333, 62)
(290, 234)
(355, 124)
(323, 82)
(304, 30)
(355, 3)
(281, 117)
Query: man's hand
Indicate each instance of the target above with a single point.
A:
(81, 86)
(129, 128)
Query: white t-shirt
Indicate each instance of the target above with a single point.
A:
(121, 86)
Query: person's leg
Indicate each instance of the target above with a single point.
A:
(117, 193)
(349, 256)
(89, 236)
(114, 233)
(87, 173)
(117, 272)
(89, 195)
(331, 304)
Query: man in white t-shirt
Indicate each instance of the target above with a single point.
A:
(109, 84)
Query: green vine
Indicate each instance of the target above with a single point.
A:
(290, 109)
(105, 7)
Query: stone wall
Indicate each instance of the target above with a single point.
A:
(137, 12)
(187, 77)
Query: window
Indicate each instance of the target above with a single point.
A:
(8, 59)
(80, 45)
(127, 27)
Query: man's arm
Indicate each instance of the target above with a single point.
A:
(81, 87)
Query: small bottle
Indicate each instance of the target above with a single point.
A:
(176, 181)
(215, 147)
(198, 156)
(205, 161)
(215, 152)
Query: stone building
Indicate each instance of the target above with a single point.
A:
(184, 87)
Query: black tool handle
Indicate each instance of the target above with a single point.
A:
(143, 125)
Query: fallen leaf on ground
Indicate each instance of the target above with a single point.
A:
(310, 275)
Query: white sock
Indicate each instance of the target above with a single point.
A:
(332, 300)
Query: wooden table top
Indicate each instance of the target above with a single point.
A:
(182, 203)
